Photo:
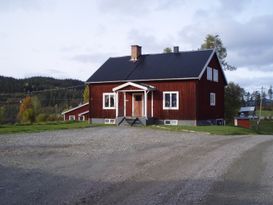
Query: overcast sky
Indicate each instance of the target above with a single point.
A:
(72, 38)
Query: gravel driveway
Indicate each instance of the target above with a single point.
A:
(110, 165)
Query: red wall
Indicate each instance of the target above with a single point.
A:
(76, 112)
(194, 98)
(187, 100)
(204, 88)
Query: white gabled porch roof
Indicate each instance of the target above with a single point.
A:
(141, 86)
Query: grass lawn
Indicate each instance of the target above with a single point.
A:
(47, 126)
(266, 127)
(217, 130)
(265, 113)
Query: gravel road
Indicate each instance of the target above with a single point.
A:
(110, 165)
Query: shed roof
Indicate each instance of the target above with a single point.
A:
(247, 109)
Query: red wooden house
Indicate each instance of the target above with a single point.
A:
(170, 88)
(79, 113)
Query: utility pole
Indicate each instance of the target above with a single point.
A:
(261, 102)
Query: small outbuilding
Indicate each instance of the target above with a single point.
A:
(248, 112)
(79, 113)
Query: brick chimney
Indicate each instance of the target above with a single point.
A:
(176, 49)
(135, 52)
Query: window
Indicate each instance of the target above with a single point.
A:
(82, 118)
(170, 122)
(212, 99)
(71, 117)
(108, 101)
(170, 100)
(209, 73)
(110, 121)
(215, 75)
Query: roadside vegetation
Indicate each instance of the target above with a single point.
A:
(45, 126)
(265, 127)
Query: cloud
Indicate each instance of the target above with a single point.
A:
(133, 8)
(91, 58)
(233, 6)
(251, 79)
(249, 44)
(6, 5)
(149, 42)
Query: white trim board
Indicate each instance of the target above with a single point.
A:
(83, 113)
(74, 108)
(129, 84)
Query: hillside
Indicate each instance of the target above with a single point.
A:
(54, 95)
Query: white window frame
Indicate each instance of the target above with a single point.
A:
(110, 121)
(170, 122)
(177, 100)
(103, 101)
(215, 73)
(209, 73)
(212, 96)
(71, 117)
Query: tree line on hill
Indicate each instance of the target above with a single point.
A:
(37, 98)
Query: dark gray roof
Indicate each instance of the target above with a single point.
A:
(153, 66)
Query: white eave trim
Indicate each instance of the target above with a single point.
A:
(74, 108)
(142, 80)
(130, 84)
(83, 113)
(207, 63)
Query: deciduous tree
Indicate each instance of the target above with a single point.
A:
(233, 100)
(214, 41)
(167, 50)
(86, 94)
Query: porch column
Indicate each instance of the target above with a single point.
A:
(124, 104)
(116, 104)
(152, 103)
(145, 104)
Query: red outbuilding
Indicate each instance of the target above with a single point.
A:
(167, 88)
(79, 113)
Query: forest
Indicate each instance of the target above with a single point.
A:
(44, 98)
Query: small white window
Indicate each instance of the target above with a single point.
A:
(71, 117)
(212, 99)
(108, 101)
(110, 121)
(215, 75)
(209, 73)
(170, 122)
(170, 100)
